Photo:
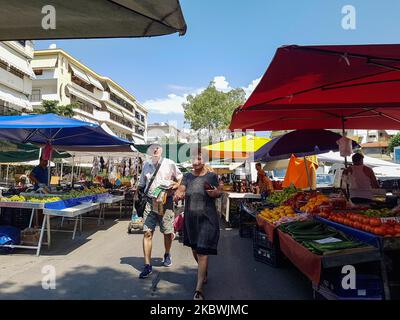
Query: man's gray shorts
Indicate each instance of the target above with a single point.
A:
(151, 219)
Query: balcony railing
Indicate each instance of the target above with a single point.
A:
(121, 102)
(121, 120)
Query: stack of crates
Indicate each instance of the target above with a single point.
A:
(264, 250)
(367, 287)
(247, 222)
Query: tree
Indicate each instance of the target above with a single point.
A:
(394, 142)
(212, 109)
(52, 106)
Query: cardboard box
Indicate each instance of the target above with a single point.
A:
(30, 236)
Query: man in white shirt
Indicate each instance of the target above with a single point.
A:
(158, 212)
(360, 179)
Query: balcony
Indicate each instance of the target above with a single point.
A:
(121, 102)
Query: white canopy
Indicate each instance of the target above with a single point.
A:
(387, 171)
(334, 157)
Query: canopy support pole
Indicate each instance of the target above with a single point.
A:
(72, 173)
(344, 135)
(345, 158)
(8, 168)
(61, 170)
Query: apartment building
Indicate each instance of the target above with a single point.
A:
(162, 132)
(99, 99)
(16, 77)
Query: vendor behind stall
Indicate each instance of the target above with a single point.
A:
(263, 182)
(360, 179)
(40, 175)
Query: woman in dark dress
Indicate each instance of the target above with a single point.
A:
(201, 227)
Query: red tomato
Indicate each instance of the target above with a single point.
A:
(389, 231)
(397, 228)
(379, 231)
(365, 220)
(357, 225)
(375, 222)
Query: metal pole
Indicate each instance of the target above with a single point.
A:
(8, 168)
(61, 170)
(344, 135)
(72, 172)
(345, 158)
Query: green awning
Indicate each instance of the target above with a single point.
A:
(22, 152)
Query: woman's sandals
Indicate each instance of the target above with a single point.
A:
(198, 295)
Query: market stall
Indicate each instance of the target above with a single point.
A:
(337, 87)
(61, 134)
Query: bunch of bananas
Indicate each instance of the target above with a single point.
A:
(14, 198)
(44, 200)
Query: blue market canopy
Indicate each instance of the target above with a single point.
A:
(63, 133)
(301, 143)
(22, 19)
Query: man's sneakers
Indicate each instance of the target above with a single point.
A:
(167, 260)
(147, 270)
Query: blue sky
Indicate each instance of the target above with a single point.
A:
(232, 40)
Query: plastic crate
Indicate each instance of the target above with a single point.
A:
(260, 239)
(21, 218)
(267, 256)
(368, 287)
(246, 229)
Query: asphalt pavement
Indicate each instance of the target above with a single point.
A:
(105, 261)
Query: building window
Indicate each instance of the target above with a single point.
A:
(3, 65)
(137, 115)
(22, 42)
(38, 72)
(121, 120)
(139, 130)
(6, 111)
(121, 102)
(83, 105)
(142, 118)
(11, 69)
(36, 95)
(83, 84)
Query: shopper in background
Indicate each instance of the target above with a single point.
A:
(201, 223)
(360, 181)
(263, 182)
(150, 180)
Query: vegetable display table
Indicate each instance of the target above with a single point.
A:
(74, 213)
(311, 264)
(227, 197)
(383, 244)
(109, 200)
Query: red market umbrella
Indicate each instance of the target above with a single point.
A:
(326, 87)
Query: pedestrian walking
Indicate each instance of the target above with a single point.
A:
(201, 223)
(159, 179)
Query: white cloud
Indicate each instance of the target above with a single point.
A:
(250, 88)
(173, 102)
(221, 84)
(177, 87)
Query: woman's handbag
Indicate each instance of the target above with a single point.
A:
(142, 197)
(178, 222)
